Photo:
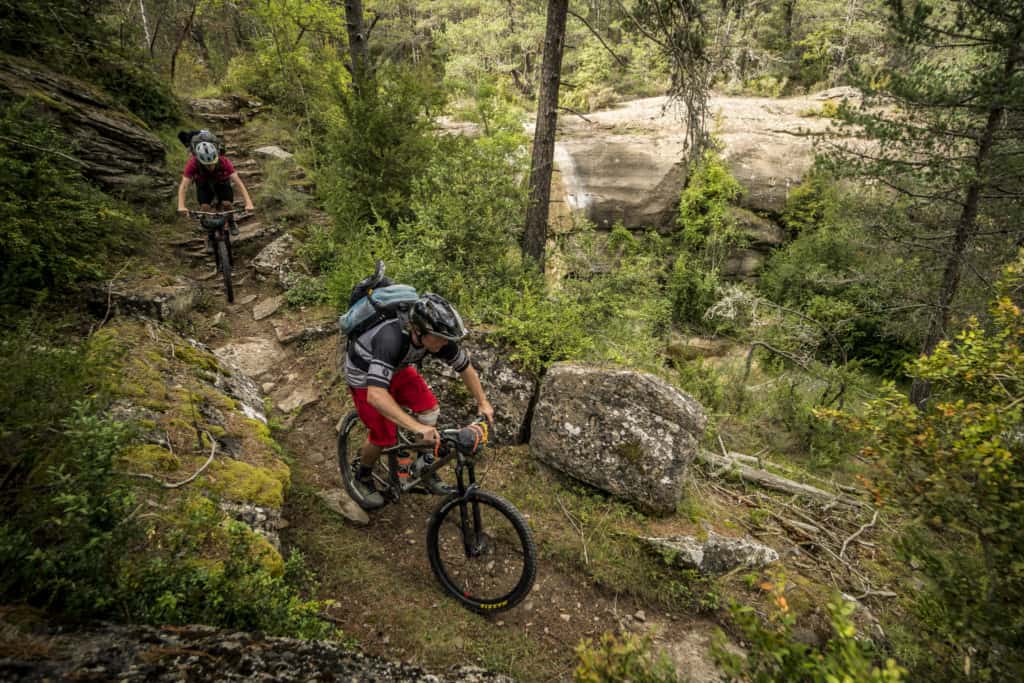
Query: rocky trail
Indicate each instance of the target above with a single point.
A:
(375, 567)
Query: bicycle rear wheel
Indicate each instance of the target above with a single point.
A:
(353, 435)
(482, 551)
(224, 263)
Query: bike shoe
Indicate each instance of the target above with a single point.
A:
(432, 483)
(367, 496)
(234, 229)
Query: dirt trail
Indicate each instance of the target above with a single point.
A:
(385, 596)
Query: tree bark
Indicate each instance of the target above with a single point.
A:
(966, 226)
(536, 235)
(181, 37)
(358, 49)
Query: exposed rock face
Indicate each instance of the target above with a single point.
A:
(115, 148)
(509, 389)
(278, 259)
(159, 298)
(625, 164)
(717, 555)
(622, 431)
(252, 355)
(762, 237)
(202, 653)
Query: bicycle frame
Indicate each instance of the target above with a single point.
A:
(465, 468)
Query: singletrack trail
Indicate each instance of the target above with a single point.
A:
(376, 572)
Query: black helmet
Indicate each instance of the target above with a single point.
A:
(433, 314)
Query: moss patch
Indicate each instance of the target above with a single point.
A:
(149, 459)
(242, 482)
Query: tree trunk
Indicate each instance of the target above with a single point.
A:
(181, 37)
(536, 234)
(965, 228)
(358, 49)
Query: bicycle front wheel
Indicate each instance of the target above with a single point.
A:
(224, 261)
(482, 551)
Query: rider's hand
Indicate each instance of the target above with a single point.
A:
(250, 207)
(429, 433)
(486, 410)
(182, 210)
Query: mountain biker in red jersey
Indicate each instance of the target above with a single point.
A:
(214, 175)
(382, 379)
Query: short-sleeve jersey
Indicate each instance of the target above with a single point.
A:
(375, 356)
(221, 172)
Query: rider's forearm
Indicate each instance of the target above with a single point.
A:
(386, 405)
(472, 382)
(182, 189)
(237, 180)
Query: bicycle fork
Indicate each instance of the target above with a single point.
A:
(473, 538)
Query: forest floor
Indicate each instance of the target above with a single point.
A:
(385, 597)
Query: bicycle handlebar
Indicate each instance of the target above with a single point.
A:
(200, 214)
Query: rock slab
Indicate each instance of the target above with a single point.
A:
(201, 653)
(625, 432)
(717, 555)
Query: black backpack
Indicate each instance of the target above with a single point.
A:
(191, 138)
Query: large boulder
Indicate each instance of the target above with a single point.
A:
(114, 147)
(509, 388)
(627, 163)
(625, 432)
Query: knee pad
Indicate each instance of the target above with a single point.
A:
(428, 417)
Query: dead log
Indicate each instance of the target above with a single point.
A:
(773, 481)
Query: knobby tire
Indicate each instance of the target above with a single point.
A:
(350, 438)
(224, 262)
(486, 577)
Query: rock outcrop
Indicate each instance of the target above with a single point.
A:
(201, 653)
(716, 555)
(509, 388)
(624, 163)
(114, 147)
(622, 431)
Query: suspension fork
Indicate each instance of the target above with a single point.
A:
(470, 534)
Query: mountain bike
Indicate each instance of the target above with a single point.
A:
(217, 225)
(479, 545)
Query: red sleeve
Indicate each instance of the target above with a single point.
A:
(191, 168)
(228, 167)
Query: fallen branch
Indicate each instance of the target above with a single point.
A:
(773, 481)
(139, 475)
(857, 533)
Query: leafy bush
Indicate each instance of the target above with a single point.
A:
(376, 147)
(691, 289)
(624, 657)
(55, 228)
(240, 592)
(958, 465)
(704, 207)
(62, 511)
(773, 653)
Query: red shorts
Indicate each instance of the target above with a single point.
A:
(409, 391)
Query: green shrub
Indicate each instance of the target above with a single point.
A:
(958, 466)
(239, 593)
(55, 228)
(624, 657)
(375, 149)
(703, 206)
(773, 653)
(61, 508)
(691, 289)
